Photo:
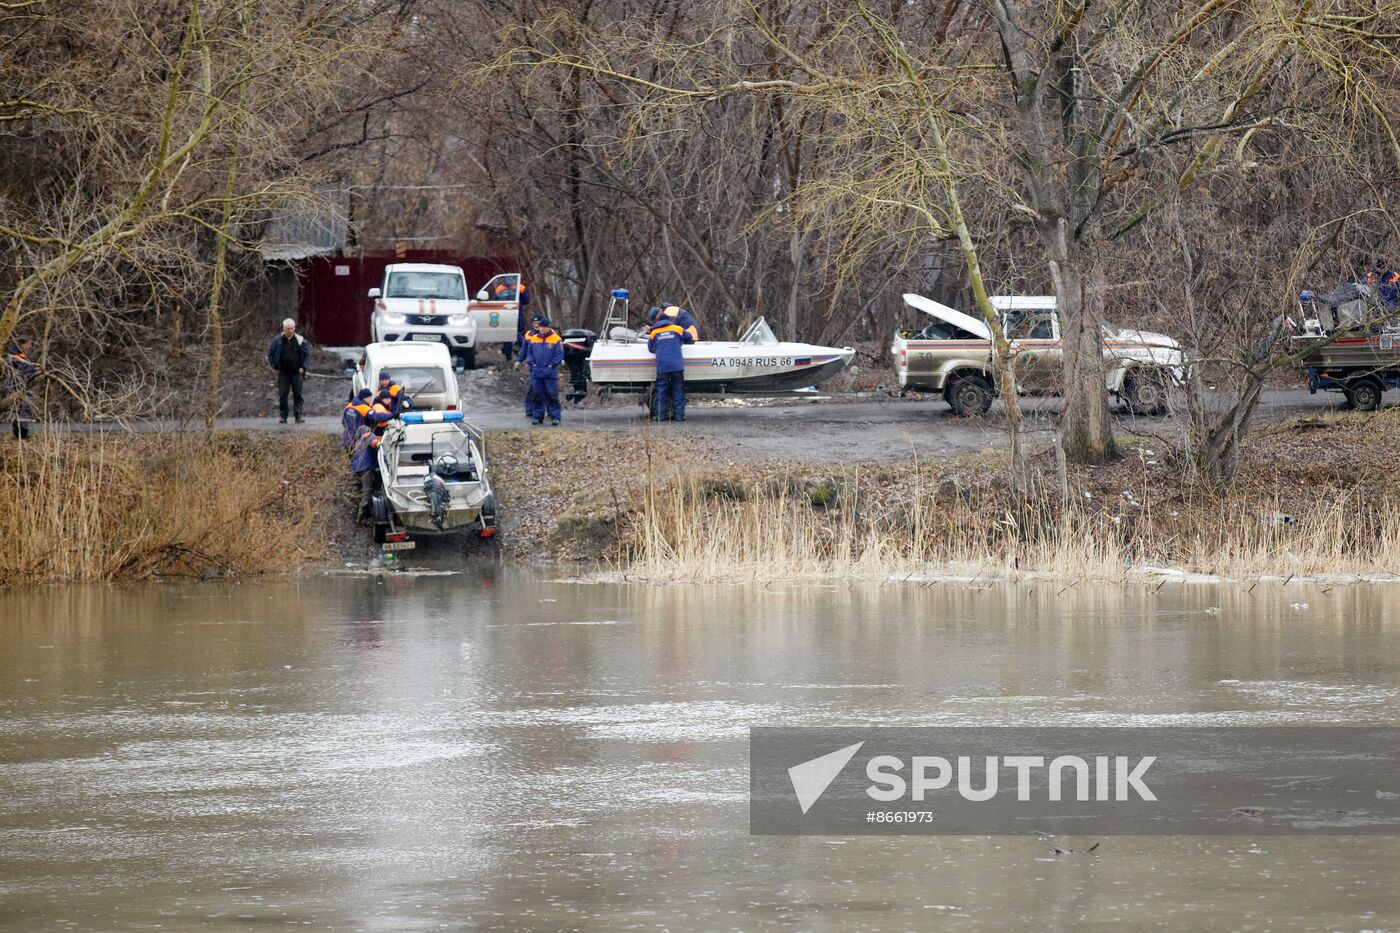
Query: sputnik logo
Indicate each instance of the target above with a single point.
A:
(811, 778)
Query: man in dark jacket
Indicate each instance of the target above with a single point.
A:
(19, 371)
(356, 410)
(364, 463)
(683, 317)
(288, 354)
(666, 339)
(543, 350)
(391, 395)
(1386, 282)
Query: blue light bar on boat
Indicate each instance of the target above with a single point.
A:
(430, 417)
(621, 294)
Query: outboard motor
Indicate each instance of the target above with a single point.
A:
(578, 344)
(439, 498)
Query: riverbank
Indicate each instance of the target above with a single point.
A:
(109, 507)
(1316, 496)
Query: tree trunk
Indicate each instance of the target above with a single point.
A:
(216, 321)
(1084, 420)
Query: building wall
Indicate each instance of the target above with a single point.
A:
(333, 304)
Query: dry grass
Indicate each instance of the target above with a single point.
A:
(120, 506)
(856, 524)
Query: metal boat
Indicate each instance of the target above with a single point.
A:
(432, 467)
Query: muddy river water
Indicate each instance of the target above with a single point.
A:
(498, 749)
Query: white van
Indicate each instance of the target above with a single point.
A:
(423, 369)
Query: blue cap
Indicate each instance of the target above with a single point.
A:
(541, 320)
(364, 393)
(384, 374)
(621, 294)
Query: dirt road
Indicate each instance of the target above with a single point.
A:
(817, 429)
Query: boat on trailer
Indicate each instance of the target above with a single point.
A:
(432, 467)
(757, 363)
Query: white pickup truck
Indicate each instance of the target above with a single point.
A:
(952, 354)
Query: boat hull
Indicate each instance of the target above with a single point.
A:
(711, 366)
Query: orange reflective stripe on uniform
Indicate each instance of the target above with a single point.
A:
(665, 328)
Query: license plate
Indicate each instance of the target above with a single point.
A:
(399, 545)
(431, 338)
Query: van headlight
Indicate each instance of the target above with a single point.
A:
(457, 320)
(393, 317)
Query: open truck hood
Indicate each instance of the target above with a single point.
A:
(968, 323)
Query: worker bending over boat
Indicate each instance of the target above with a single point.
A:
(364, 464)
(391, 395)
(683, 317)
(666, 339)
(377, 418)
(354, 415)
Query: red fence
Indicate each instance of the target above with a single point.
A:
(333, 306)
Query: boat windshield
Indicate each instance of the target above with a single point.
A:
(759, 334)
(452, 453)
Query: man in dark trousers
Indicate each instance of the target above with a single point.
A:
(543, 351)
(19, 372)
(364, 463)
(356, 410)
(665, 339)
(288, 354)
(683, 317)
(391, 395)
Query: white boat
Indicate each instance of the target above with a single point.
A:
(432, 467)
(758, 362)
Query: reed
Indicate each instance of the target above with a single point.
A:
(849, 527)
(122, 506)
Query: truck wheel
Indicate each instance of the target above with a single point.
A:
(1364, 394)
(381, 532)
(1144, 393)
(969, 395)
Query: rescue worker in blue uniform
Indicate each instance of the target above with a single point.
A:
(683, 317)
(391, 395)
(525, 337)
(1386, 282)
(666, 339)
(506, 290)
(377, 417)
(543, 351)
(364, 464)
(354, 415)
